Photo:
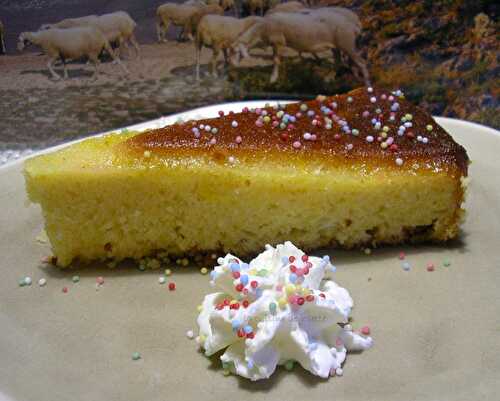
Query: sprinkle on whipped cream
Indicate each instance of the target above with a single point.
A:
(279, 309)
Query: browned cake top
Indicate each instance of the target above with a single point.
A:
(367, 125)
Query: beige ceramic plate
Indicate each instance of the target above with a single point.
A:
(436, 333)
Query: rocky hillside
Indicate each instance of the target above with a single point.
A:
(444, 54)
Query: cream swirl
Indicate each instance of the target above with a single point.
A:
(278, 309)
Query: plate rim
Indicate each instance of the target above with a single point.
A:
(169, 119)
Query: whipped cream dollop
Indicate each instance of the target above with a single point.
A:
(279, 309)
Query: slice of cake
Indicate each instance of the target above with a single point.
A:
(364, 168)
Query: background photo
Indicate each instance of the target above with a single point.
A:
(443, 54)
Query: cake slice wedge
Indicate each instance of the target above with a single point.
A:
(360, 169)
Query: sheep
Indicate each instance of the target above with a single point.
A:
(219, 32)
(331, 15)
(67, 44)
(303, 33)
(186, 16)
(290, 7)
(211, 9)
(117, 27)
(3, 50)
(177, 14)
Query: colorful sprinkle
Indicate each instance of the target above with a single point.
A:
(162, 280)
(171, 286)
(365, 330)
(65, 289)
(42, 282)
(203, 270)
(190, 334)
(399, 161)
(406, 266)
(446, 263)
(430, 267)
(136, 356)
(402, 255)
(168, 272)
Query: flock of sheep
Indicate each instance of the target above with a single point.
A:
(293, 24)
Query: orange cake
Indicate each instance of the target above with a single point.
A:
(364, 168)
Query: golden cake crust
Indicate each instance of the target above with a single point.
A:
(354, 118)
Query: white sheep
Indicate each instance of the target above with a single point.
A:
(218, 33)
(303, 33)
(289, 7)
(69, 44)
(185, 16)
(332, 15)
(118, 27)
(3, 50)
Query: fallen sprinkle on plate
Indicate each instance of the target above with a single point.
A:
(406, 266)
(136, 356)
(171, 286)
(430, 267)
(162, 280)
(65, 289)
(168, 272)
(446, 263)
(75, 279)
(289, 365)
(190, 334)
(402, 255)
(42, 282)
(365, 330)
